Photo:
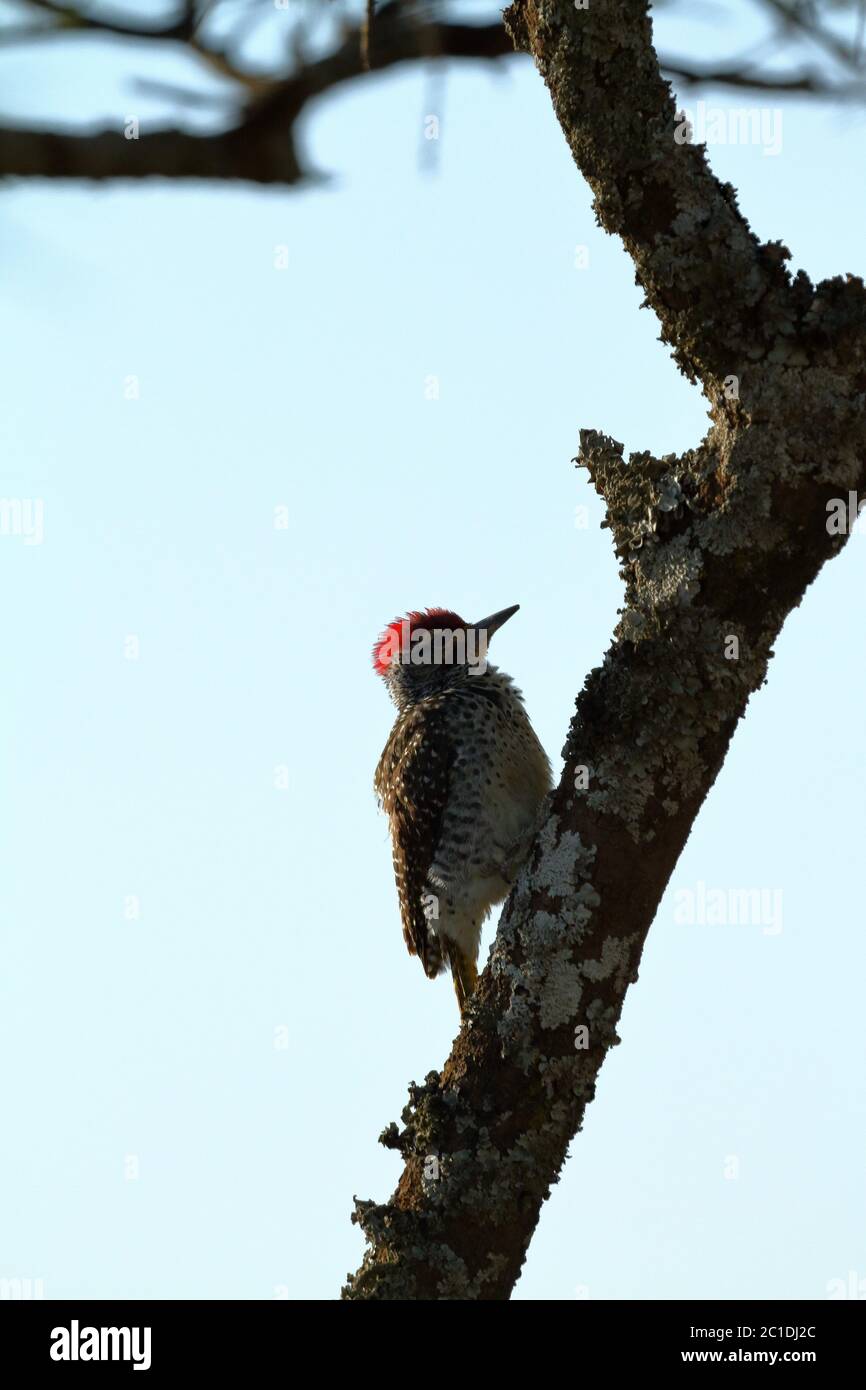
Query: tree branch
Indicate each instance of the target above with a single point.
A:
(68, 17)
(400, 31)
(260, 147)
(754, 80)
(701, 267)
(716, 547)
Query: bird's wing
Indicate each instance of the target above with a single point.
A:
(412, 782)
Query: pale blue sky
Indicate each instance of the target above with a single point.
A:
(264, 908)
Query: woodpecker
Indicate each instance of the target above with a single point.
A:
(461, 778)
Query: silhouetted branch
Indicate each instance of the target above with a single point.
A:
(716, 546)
(260, 145)
(265, 105)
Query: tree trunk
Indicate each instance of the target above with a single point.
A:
(716, 547)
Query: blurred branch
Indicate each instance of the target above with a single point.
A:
(793, 14)
(69, 17)
(259, 141)
(260, 146)
(367, 34)
(812, 84)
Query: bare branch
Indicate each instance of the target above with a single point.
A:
(808, 25)
(700, 265)
(70, 17)
(716, 547)
(403, 31)
(260, 147)
(744, 78)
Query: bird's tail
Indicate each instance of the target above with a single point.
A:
(464, 974)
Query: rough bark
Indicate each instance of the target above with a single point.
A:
(716, 544)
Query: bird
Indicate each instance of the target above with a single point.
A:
(462, 780)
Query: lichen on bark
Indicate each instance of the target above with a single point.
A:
(715, 546)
